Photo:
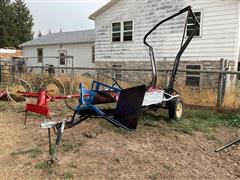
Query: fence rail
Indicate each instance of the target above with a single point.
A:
(139, 69)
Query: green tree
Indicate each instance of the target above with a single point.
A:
(23, 22)
(3, 36)
(5, 8)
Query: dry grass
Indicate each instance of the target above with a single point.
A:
(158, 152)
(232, 99)
(200, 97)
(204, 97)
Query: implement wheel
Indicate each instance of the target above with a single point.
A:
(54, 87)
(13, 89)
(175, 109)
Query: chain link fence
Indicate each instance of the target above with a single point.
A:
(196, 87)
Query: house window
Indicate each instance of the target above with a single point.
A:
(193, 78)
(93, 54)
(191, 23)
(117, 74)
(128, 31)
(62, 58)
(116, 32)
(39, 55)
(122, 31)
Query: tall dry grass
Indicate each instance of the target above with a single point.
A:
(232, 98)
(191, 96)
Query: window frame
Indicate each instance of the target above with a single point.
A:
(116, 32)
(201, 24)
(93, 51)
(65, 59)
(193, 75)
(39, 58)
(122, 31)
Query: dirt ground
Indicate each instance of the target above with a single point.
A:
(96, 150)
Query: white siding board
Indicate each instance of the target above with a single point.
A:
(219, 30)
(82, 54)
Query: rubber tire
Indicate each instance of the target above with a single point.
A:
(172, 109)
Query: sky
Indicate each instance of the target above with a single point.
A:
(69, 15)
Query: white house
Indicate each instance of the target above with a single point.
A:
(120, 26)
(63, 49)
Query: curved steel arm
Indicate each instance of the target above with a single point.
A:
(182, 49)
(163, 21)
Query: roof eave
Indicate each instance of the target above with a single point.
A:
(21, 45)
(102, 9)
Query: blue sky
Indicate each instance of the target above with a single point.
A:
(69, 15)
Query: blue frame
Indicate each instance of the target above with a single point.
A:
(87, 102)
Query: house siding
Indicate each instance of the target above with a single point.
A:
(219, 38)
(82, 54)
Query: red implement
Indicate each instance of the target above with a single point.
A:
(42, 105)
(3, 93)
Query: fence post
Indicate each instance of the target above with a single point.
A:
(73, 73)
(42, 68)
(220, 85)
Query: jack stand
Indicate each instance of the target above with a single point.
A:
(51, 161)
(53, 150)
(228, 145)
(26, 114)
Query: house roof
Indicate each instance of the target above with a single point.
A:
(73, 37)
(102, 9)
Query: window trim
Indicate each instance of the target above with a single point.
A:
(200, 75)
(116, 32)
(122, 31)
(201, 23)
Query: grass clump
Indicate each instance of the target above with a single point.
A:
(200, 119)
(167, 166)
(44, 166)
(154, 176)
(204, 120)
(33, 153)
(231, 119)
(68, 147)
(68, 175)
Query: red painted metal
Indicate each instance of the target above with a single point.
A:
(3, 93)
(43, 99)
(42, 104)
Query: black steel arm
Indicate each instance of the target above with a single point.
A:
(184, 45)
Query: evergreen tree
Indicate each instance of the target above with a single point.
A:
(3, 36)
(4, 22)
(23, 21)
(16, 23)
